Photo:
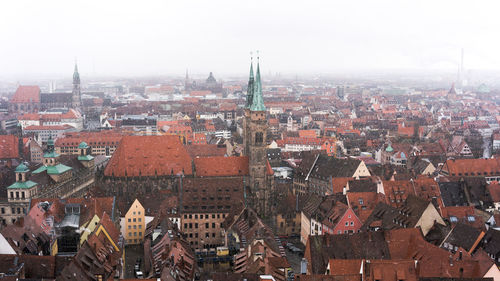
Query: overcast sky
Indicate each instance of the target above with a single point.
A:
(166, 37)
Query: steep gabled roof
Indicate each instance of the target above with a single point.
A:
(149, 156)
(221, 166)
(362, 245)
(9, 147)
(26, 94)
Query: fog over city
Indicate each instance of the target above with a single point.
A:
(132, 38)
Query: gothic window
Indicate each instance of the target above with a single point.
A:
(259, 137)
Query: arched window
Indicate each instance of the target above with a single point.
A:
(259, 137)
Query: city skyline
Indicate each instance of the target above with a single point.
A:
(163, 38)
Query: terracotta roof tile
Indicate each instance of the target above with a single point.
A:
(9, 147)
(205, 150)
(26, 94)
(221, 166)
(472, 167)
(91, 138)
(149, 156)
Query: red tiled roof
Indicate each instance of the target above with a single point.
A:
(26, 94)
(149, 156)
(473, 167)
(307, 133)
(205, 150)
(54, 127)
(494, 190)
(9, 147)
(91, 138)
(338, 184)
(29, 116)
(221, 166)
(112, 230)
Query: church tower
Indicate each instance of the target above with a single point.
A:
(255, 133)
(187, 83)
(76, 97)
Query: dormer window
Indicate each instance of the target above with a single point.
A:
(471, 218)
(453, 219)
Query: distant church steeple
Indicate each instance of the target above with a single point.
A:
(76, 93)
(187, 83)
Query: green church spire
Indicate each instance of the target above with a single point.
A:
(258, 99)
(250, 88)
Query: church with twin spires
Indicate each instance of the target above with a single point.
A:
(255, 127)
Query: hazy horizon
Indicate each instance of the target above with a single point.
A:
(158, 38)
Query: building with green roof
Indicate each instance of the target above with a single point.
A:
(23, 189)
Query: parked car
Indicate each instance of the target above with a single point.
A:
(139, 275)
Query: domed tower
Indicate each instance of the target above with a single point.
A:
(211, 82)
(23, 189)
(84, 156)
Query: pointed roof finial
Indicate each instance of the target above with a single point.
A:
(76, 75)
(258, 99)
(250, 88)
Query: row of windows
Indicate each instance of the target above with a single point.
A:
(190, 216)
(135, 233)
(207, 235)
(219, 207)
(235, 189)
(135, 226)
(134, 220)
(346, 231)
(23, 195)
(195, 198)
(469, 218)
(190, 225)
(13, 210)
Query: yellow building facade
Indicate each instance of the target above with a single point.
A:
(135, 224)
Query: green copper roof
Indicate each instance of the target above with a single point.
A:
(258, 99)
(250, 88)
(50, 141)
(22, 168)
(53, 170)
(389, 148)
(83, 145)
(23, 185)
(85, 157)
